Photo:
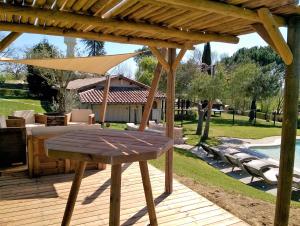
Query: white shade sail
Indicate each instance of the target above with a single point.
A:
(97, 64)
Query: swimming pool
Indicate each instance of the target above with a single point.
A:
(274, 152)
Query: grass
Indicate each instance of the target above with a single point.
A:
(222, 127)
(188, 165)
(117, 126)
(8, 105)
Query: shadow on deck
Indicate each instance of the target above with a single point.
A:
(41, 201)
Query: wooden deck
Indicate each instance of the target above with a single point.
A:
(42, 201)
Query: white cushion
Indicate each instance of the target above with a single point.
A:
(28, 115)
(80, 115)
(76, 123)
(2, 121)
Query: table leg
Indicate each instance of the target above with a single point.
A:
(73, 194)
(115, 195)
(148, 192)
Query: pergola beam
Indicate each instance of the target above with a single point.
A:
(11, 37)
(24, 28)
(152, 92)
(260, 29)
(161, 58)
(274, 33)
(178, 59)
(217, 7)
(58, 16)
(103, 106)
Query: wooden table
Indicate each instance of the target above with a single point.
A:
(111, 147)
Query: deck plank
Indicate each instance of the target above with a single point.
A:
(41, 201)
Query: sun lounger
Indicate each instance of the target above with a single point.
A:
(237, 160)
(218, 154)
(261, 169)
(296, 181)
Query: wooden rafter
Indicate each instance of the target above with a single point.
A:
(5, 42)
(106, 6)
(118, 8)
(274, 33)
(58, 16)
(217, 7)
(24, 28)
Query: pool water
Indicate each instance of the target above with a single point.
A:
(274, 152)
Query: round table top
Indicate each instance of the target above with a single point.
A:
(108, 146)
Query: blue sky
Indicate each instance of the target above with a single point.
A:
(28, 40)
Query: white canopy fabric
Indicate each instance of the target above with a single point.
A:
(98, 64)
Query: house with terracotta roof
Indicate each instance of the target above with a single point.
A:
(126, 98)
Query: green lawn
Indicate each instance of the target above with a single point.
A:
(8, 105)
(188, 165)
(222, 126)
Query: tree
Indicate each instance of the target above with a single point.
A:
(94, 48)
(237, 82)
(145, 72)
(185, 74)
(55, 81)
(37, 84)
(146, 52)
(208, 87)
(206, 59)
(270, 67)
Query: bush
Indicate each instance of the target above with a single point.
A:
(2, 79)
(13, 86)
(14, 92)
(191, 115)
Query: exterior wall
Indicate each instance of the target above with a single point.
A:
(116, 82)
(120, 112)
(157, 112)
(124, 112)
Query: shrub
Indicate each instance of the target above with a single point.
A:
(2, 79)
(190, 115)
(14, 92)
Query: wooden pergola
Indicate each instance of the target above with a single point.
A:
(164, 26)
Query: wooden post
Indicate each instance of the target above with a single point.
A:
(170, 120)
(104, 100)
(289, 126)
(115, 195)
(148, 193)
(151, 95)
(73, 194)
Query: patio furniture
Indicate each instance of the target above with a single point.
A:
(12, 146)
(237, 160)
(111, 147)
(31, 118)
(56, 119)
(39, 164)
(13, 121)
(296, 181)
(218, 154)
(80, 117)
(217, 111)
(261, 169)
